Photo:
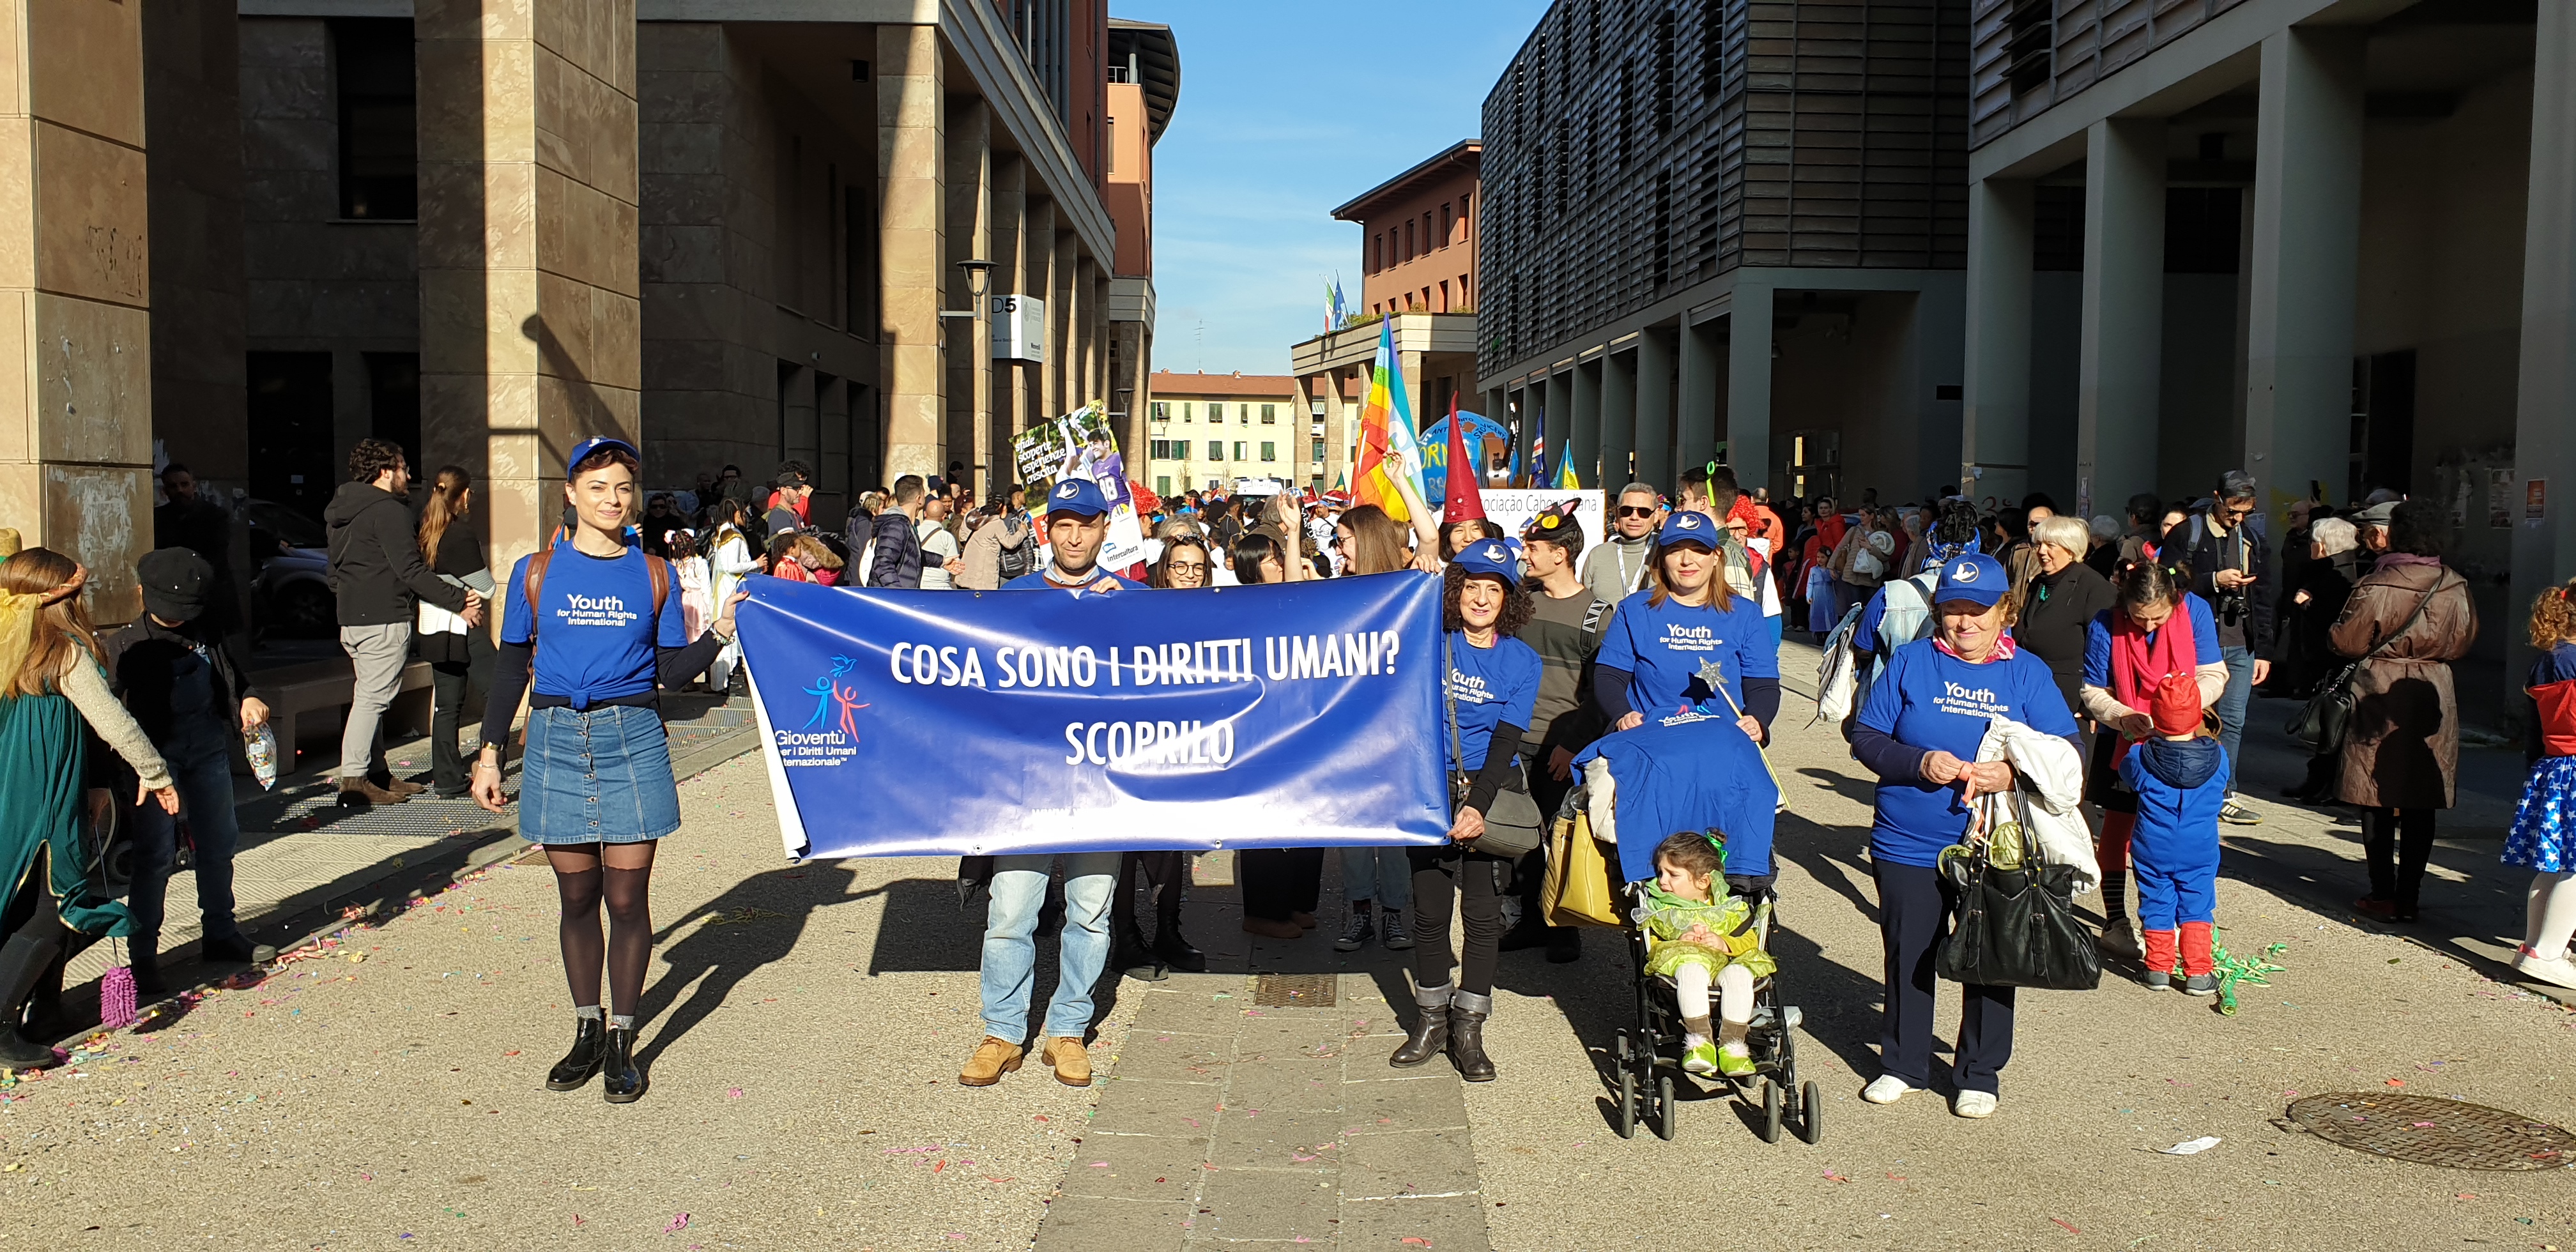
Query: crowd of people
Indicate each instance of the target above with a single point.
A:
(2123, 655)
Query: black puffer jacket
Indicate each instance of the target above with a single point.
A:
(376, 569)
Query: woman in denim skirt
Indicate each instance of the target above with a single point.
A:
(596, 787)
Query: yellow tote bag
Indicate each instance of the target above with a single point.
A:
(1577, 886)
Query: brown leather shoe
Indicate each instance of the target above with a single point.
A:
(993, 1058)
(1273, 928)
(1304, 920)
(358, 793)
(404, 790)
(1072, 1062)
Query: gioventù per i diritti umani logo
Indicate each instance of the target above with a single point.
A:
(831, 735)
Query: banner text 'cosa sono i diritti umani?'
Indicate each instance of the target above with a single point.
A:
(1247, 704)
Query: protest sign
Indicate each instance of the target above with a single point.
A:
(911, 723)
(1081, 444)
(1512, 508)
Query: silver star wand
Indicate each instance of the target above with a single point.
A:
(1714, 675)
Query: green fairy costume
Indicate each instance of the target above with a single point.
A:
(1736, 925)
(40, 814)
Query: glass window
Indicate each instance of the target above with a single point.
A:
(1185, 410)
(1269, 414)
(378, 106)
(1269, 451)
(1162, 484)
(1216, 450)
(1162, 410)
(1319, 451)
(1238, 450)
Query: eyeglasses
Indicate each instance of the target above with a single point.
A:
(1189, 567)
(1631, 510)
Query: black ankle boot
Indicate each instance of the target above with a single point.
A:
(619, 1080)
(589, 1040)
(1430, 1034)
(19, 1052)
(24, 965)
(1177, 953)
(1467, 1014)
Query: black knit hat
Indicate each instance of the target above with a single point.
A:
(175, 582)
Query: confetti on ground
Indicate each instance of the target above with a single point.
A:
(2191, 1147)
(2070, 1229)
(678, 1222)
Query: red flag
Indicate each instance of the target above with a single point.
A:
(1464, 503)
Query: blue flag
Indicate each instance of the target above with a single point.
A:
(927, 723)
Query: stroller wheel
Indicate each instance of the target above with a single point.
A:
(1627, 1104)
(1667, 1109)
(1811, 1115)
(1770, 1111)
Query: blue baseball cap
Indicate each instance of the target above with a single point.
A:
(1078, 496)
(581, 451)
(1976, 578)
(1490, 557)
(1687, 526)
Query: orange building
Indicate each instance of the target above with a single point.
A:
(1418, 253)
(1144, 86)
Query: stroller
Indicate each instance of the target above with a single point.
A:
(1648, 1058)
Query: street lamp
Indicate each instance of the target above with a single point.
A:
(979, 273)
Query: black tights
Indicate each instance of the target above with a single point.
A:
(583, 882)
(1441, 877)
(2397, 842)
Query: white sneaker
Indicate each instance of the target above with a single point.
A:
(2548, 969)
(1886, 1089)
(1974, 1104)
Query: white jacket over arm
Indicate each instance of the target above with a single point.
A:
(2049, 775)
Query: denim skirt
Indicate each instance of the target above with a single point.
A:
(597, 776)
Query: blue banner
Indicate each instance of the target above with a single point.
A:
(929, 723)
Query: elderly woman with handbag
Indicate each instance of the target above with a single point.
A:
(1492, 680)
(1920, 732)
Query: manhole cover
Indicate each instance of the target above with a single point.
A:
(2428, 1131)
(1295, 991)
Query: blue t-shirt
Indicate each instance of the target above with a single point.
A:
(2097, 641)
(597, 638)
(1662, 648)
(1932, 700)
(1037, 581)
(1492, 686)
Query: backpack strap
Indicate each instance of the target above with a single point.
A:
(659, 572)
(1592, 623)
(533, 589)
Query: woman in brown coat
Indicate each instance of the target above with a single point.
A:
(2401, 757)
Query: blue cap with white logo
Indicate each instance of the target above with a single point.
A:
(1976, 578)
(581, 451)
(1077, 496)
(1687, 526)
(1489, 557)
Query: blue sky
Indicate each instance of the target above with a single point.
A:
(1287, 110)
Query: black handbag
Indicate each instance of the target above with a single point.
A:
(1513, 825)
(2326, 718)
(2016, 927)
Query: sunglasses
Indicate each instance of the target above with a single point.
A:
(1630, 510)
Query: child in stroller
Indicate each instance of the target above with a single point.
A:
(1697, 933)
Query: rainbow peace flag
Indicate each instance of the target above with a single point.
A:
(1390, 452)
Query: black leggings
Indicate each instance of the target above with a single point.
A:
(2397, 843)
(629, 942)
(1442, 876)
(1164, 873)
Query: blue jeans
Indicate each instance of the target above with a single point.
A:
(1384, 875)
(2232, 702)
(1011, 951)
(206, 799)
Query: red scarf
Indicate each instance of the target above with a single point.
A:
(2140, 661)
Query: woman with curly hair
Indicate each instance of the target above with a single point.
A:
(1493, 682)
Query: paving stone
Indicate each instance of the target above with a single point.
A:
(1267, 1140)
(1137, 1167)
(1143, 1107)
(1092, 1224)
(1286, 1085)
(1266, 1204)
(1200, 1003)
(1429, 1102)
(1291, 1034)
(1406, 1163)
(1445, 1224)
(1174, 1057)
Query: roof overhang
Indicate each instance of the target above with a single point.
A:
(1466, 155)
(1156, 57)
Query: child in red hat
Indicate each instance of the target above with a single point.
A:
(2180, 777)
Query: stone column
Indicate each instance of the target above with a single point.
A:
(1618, 419)
(75, 290)
(1653, 437)
(1040, 279)
(531, 327)
(1995, 438)
(1696, 420)
(1586, 432)
(2117, 409)
(968, 339)
(2306, 257)
(1557, 412)
(193, 113)
(1064, 314)
(2544, 547)
(800, 432)
(912, 246)
(1748, 386)
(1009, 382)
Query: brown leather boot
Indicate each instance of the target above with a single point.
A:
(1072, 1062)
(403, 790)
(358, 793)
(993, 1058)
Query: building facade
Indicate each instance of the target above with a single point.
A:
(1207, 430)
(2330, 243)
(1419, 254)
(1730, 229)
(485, 230)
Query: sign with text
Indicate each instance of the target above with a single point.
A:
(929, 723)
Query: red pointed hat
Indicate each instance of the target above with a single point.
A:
(1464, 503)
(2177, 705)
